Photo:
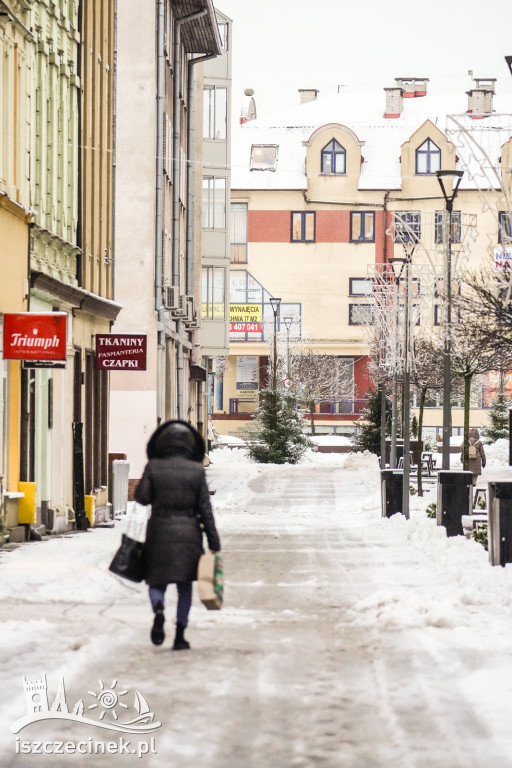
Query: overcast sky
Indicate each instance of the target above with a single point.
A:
(279, 46)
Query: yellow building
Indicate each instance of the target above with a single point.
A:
(16, 58)
(321, 195)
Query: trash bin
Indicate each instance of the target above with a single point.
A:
(392, 481)
(454, 499)
(499, 518)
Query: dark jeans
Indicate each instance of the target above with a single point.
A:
(157, 594)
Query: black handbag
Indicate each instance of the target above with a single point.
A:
(128, 561)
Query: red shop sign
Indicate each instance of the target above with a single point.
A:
(121, 351)
(35, 336)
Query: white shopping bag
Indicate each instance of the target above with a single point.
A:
(137, 516)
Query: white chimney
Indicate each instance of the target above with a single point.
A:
(413, 87)
(308, 94)
(480, 97)
(394, 102)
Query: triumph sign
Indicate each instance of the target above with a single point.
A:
(121, 352)
(35, 336)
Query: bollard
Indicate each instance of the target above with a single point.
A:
(499, 517)
(392, 483)
(454, 499)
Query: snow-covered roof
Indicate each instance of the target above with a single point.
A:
(381, 137)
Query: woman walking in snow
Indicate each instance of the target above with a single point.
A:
(174, 483)
(476, 454)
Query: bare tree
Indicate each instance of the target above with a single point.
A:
(477, 346)
(319, 377)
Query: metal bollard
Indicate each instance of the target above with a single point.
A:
(454, 499)
(499, 513)
(392, 483)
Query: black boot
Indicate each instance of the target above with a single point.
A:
(157, 631)
(180, 644)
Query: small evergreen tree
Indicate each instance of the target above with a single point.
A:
(368, 437)
(498, 416)
(278, 433)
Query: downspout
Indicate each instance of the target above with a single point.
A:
(114, 157)
(160, 94)
(176, 120)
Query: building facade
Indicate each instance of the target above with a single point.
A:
(321, 198)
(158, 241)
(16, 62)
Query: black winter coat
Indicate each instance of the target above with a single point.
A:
(176, 488)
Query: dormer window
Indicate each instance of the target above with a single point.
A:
(333, 159)
(263, 157)
(428, 158)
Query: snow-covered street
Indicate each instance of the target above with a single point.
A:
(346, 641)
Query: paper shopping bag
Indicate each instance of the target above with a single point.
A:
(210, 581)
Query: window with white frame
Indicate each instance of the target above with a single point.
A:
(214, 202)
(362, 226)
(239, 232)
(428, 158)
(213, 288)
(223, 32)
(263, 157)
(333, 159)
(215, 112)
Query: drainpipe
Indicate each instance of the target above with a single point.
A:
(160, 95)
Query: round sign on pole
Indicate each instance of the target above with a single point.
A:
(288, 383)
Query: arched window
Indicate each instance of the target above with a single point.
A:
(428, 158)
(333, 158)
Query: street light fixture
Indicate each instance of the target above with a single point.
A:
(275, 302)
(449, 197)
(508, 59)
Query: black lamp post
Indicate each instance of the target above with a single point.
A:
(398, 265)
(274, 302)
(449, 195)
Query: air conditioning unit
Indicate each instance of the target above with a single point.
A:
(171, 298)
(194, 323)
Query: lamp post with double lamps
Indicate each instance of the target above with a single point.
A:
(449, 194)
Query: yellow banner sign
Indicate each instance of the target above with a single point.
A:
(245, 313)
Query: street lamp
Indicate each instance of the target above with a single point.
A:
(449, 195)
(288, 323)
(398, 264)
(274, 302)
(508, 59)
